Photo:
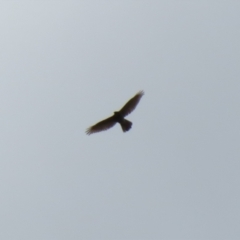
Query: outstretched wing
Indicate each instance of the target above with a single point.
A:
(102, 126)
(131, 104)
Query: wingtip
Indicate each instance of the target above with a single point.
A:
(88, 131)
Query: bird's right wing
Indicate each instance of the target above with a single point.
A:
(102, 126)
(131, 104)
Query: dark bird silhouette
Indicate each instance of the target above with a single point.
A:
(118, 117)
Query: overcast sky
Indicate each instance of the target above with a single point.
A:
(65, 65)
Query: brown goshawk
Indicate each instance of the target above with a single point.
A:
(118, 117)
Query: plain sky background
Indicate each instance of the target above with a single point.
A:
(64, 65)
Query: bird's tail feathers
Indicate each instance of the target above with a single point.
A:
(126, 125)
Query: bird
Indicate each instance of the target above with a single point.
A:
(118, 117)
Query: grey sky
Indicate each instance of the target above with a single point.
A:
(66, 65)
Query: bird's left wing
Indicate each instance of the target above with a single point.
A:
(102, 126)
(131, 104)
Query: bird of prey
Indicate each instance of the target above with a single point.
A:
(118, 117)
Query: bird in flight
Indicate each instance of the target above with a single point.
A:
(118, 117)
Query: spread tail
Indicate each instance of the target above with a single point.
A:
(126, 125)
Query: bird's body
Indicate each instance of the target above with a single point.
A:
(118, 117)
(125, 124)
